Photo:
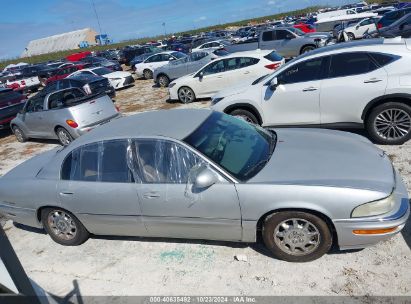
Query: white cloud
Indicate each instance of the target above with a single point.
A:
(202, 18)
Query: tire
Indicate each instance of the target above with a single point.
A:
(64, 136)
(148, 74)
(389, 123)
(246, 115)
(20, 136)
(296, 235)
(307, 48)
(350, 36)
(186, 95)
(163, 81)
(63, 227)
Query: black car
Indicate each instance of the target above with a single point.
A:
(94, 61)
(393, 16)
(11, 103)
(90, 84)
(110, 55)
(40, 70)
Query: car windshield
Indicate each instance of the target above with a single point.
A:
(297, 31)
(178, 55)
(102, 71)
(242, 149)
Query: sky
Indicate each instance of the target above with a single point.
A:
(25, 20)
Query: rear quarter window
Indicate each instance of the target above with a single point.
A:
(383, 59)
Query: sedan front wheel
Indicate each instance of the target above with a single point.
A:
(63, 227)
(186, 95)
(296, 236)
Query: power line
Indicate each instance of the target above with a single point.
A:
(98, 20)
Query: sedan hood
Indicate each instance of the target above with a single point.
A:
(327, 158)
(236, 89)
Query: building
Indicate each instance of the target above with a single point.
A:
(61, 42)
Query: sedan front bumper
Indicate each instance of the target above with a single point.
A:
(396, 219)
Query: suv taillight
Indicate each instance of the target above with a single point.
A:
(272, 66)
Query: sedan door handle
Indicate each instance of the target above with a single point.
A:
(247, 72)
(65, 193)
(310, 89)
(150, 195)
(372, 80)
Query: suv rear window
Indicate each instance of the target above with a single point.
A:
(347, 64)
(383, 59)
(273, 56)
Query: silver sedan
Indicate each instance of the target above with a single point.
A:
(211, 176)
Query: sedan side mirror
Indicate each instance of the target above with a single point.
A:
(205, 178)
(274, 84)
(171, 59)
(201, 75)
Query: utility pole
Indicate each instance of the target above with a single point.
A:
(165, 31)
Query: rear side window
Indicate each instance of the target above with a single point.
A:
(268, 36)
(348, 64)
(247, 61)
(65, 98)
(383, 59)
(273, 56)
(99, 162)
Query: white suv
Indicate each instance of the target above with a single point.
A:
(354, 84)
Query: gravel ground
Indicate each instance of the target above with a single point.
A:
(143, 266)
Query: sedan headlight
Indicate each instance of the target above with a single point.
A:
(171, 85)
(375, 208)
(215, 100)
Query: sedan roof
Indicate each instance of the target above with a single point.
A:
(176, 123)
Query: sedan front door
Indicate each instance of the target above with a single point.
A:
(210, 80)
(172, 206)
(296, 99)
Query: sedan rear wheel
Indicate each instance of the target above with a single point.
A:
(20, 136)
(390, 123)
(148, 74)
(296, 236)
(163, 81)
(63, 227)
(186, 95)
(64, 136)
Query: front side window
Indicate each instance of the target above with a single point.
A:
(35, 104)
(281, 34)
(164, 162)
(237, 146)
(348, 64)
(213, 68)
(308, 70)
(99, 162)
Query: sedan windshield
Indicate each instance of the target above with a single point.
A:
(178, 55)
(237, 146)
(297, 31)
(102, 71)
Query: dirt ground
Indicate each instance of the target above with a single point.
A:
(142, 266)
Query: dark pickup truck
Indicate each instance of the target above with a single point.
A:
(11, 103)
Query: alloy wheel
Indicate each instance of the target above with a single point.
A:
(19, 135)
(185, 95)
(163, 81)
(64, 137)
(62, 225)
(297, 236)
(392, 124)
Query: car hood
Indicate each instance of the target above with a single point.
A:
(327, 158)
(118, 74)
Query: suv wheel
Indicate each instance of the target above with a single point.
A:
(63, 227)
(147, 74)
(296, 236)
(307, 48)
(390, 123)
(163, 81)
(246, 115)
(20, 136)
(64, 136)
